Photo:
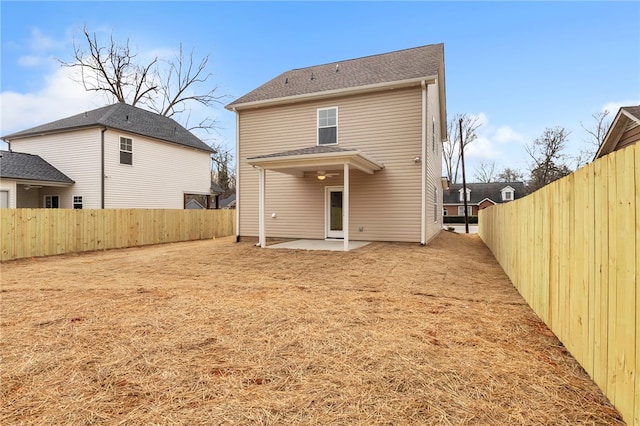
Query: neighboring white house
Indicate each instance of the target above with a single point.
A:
(117, 156)
(345, 150)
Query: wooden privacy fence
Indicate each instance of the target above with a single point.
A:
(572, 250)
(45, 232)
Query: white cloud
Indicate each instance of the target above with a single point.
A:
(482, 149)
(30, 61)
(40, 42)
(59, 98)
(613, 107)
(506, 134)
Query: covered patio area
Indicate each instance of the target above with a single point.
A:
(318, 161)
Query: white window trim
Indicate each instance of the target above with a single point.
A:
(460, 195)
(120, 137)
(318, 125)
(73, 201)
(44, 200)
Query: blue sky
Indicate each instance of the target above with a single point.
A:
(518, 66)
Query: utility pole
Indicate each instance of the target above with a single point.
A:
(464, 182)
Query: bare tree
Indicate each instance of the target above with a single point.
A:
(168, 87)
(595, 137)
(222, 169)
(486, 172)
(451, 147)
(510, 175)
(547, 158)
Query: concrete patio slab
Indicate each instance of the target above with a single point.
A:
(331, 245)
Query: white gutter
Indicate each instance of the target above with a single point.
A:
(423, 164)
(237, 175)
(336, 92)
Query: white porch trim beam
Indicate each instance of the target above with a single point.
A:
(345, 207)
(262, 241)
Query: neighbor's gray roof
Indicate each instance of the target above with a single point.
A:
(17, 165)
(633, 110)
(122, 117)
(408, 64)
(480, 191)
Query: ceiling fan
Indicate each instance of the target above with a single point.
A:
(322, 175)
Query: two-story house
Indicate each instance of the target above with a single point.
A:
(117, 156)
(346, 150)
(480, 196)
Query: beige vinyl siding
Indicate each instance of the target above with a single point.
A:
(77, 155)
(10, 186)
(385, 126)
(434, 163)
(159, 177)
(631, 135)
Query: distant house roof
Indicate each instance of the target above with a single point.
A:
(122, 117)
(193, 205)
(28, 167)
(482, 191)
(411, 65)
(230, 201)
(624, 131)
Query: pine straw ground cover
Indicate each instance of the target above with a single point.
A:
(218, 332)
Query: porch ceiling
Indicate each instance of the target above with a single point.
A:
(297, 162)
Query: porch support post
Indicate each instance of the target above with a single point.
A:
(345, 207)
(262, 241)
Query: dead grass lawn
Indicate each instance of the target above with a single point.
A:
(217, 332)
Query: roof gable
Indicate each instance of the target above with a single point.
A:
(402, 65)
(21, 166)
(625, 117)
(122, 117)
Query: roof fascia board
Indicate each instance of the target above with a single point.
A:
(39, 182)
(334, 93)
(613, 135)
(295, 162)
(9, 138)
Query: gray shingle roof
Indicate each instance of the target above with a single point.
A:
(320, 149)
(17, 165)
(633, 110)
(480, 191)
(122, 117)
(408, 64)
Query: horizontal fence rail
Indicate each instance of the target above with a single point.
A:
(572, 250)
(46, 232)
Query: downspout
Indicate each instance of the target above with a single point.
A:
(104, 129)
(423, 164)
(237, 175)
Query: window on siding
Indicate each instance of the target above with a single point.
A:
(126, 150)
(433, 134)
(327, 126)
(435, 204)
(4, 199)
(77, 201)
(51, 202)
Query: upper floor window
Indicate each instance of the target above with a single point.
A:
(77, 201)
(126, 150)
(433, 134)
(51, 202)
(328, 126)
(507, 193)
